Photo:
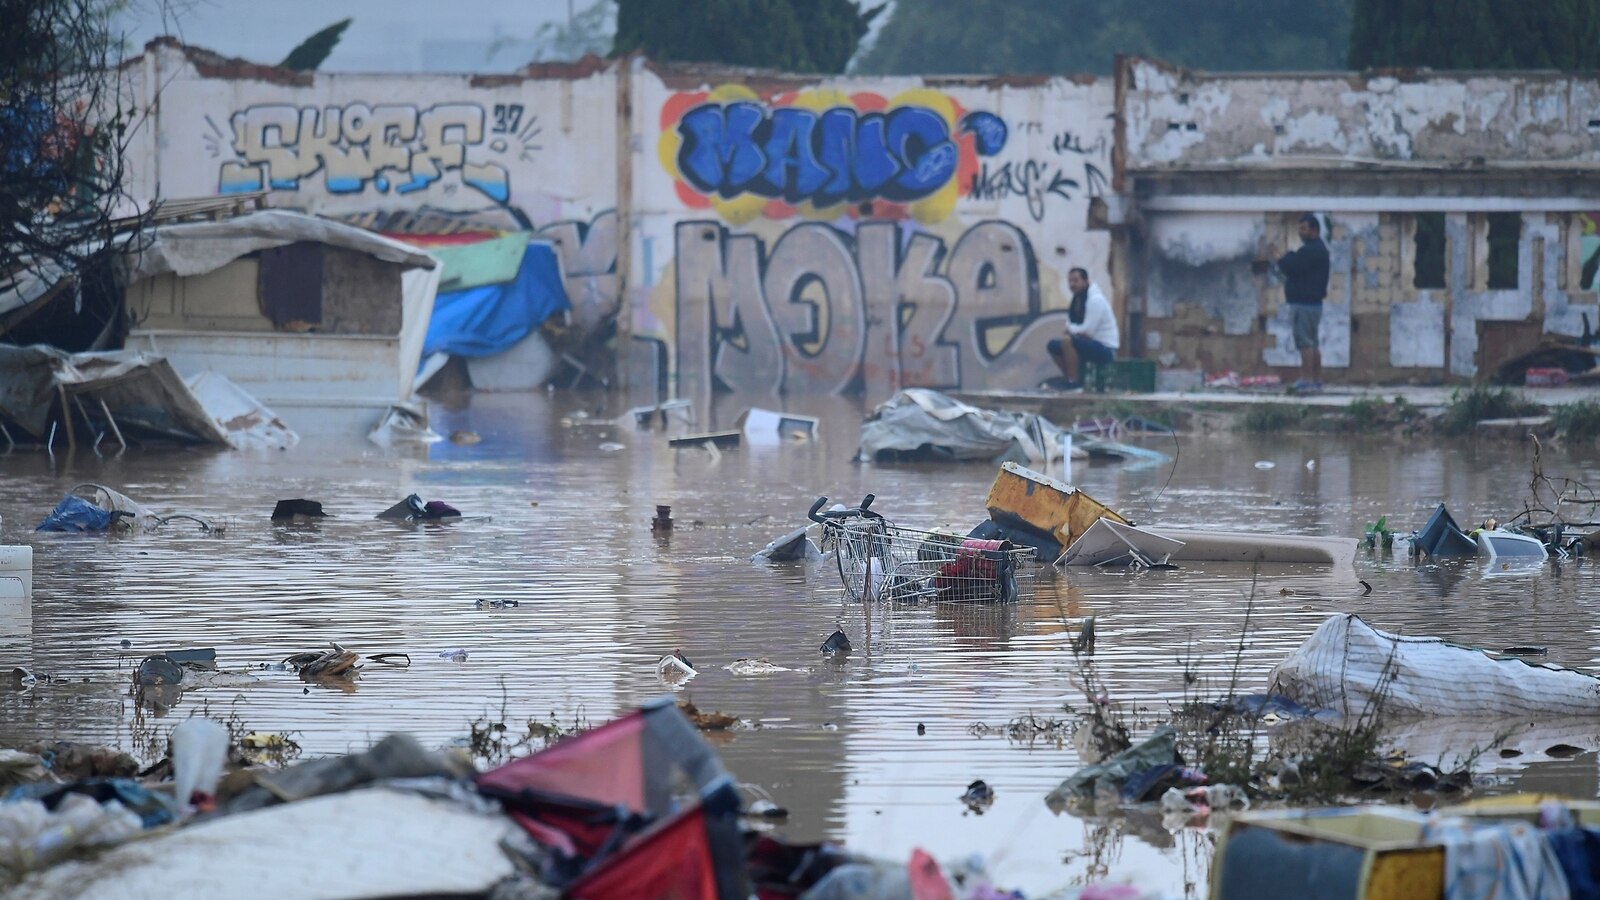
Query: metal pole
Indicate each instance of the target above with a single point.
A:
(78, 402)
(66, 419)
(114, 429)
(10, 444)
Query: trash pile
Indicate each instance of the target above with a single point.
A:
(95, 508)
(1440, 537)
(121, 395)
(1032, 519)
(1525, 846)
(1149, 772)
(922, 425)
(638, 807)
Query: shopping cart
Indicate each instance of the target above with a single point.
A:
(879, 560)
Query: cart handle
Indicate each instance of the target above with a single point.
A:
(861, 511)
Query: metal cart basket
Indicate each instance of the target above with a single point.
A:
(879, 560)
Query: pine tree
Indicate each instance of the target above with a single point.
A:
(817, 36)
(313, 50)
(1476, 34)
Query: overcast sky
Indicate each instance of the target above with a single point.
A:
(385, 36)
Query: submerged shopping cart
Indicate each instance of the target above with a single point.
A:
(879, 560)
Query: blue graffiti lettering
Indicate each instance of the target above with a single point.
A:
(719, 147)
(873, 165)
(987, 129)
(792, 167)
(921, 140)
(795, 154)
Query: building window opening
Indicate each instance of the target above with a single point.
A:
(1505, 233)
(1589, 251)
(1428, 259)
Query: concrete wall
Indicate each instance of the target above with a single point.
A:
(785, 226)
(774, 235)
(1180, 120)
(397, 152)
(1215, 168)
(772, 230)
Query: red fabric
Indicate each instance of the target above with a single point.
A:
(605, 765)
(442, 240)
(548, 835)
(672, 862)
(927, 881)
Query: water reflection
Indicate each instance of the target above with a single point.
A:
(562, 526)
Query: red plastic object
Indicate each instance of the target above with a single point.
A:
(1547, 377)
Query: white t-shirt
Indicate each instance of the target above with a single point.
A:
(1099, 322)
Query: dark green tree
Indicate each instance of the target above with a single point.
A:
(791, 35)
(1070, 36)
(1476, 34)
(313, 50)
(65, 135)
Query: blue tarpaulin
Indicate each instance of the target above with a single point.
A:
(74, 513)
(483, 321)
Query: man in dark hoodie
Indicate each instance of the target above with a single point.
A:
(1305, 286)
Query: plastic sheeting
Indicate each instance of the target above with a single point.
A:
(1160, 749)
(1347, 664)
(918, 419)
(33, 836)
(368, 843)
(195, 248)
(418, 293)
(487, 320)
(76, 513)
(246, 421)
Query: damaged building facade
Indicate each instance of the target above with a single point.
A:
(1462, 215)
(769, 234)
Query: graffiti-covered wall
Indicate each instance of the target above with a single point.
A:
(756, 234)
(860, 235)
(400, 153)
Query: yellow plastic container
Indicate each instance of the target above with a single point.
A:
(1046, 505)
(1369, 853)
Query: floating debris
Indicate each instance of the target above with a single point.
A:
(748, 666)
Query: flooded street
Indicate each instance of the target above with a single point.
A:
(601, 599)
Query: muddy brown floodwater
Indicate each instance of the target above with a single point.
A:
(601, 600)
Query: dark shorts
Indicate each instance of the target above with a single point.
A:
(1305, 318)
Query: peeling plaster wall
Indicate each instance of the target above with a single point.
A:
(1203, 259)
(1178, 119)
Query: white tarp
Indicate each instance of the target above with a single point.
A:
(195, 248)
(1106, 541)
(364, 843)
(246, 421)
(919, 417)
(1346, 663)
(417, 290)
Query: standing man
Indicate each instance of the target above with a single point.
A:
(1092, 327)
(1305, 286)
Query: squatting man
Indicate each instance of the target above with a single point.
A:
(1091, 330)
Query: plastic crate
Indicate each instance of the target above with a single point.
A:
(1136, 376)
